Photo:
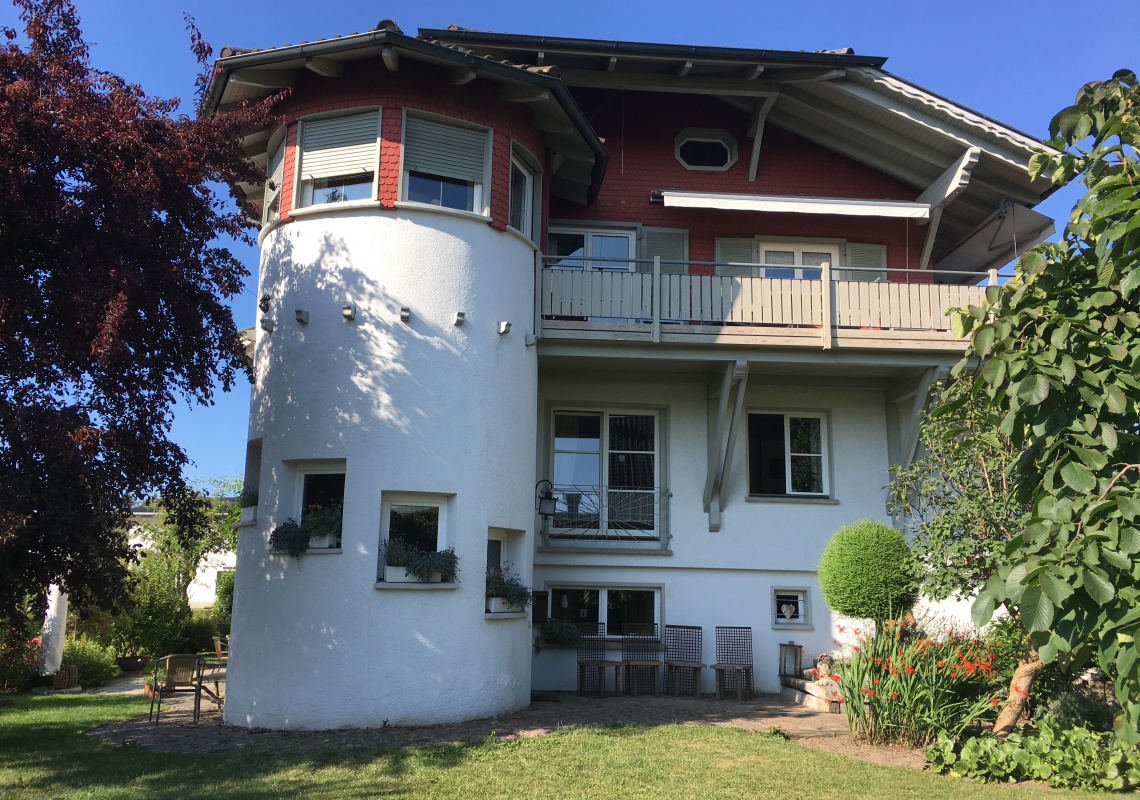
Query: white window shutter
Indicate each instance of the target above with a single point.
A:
(276, 167)
(866, 262)
(672, 244)
(444, 150)
(340, 146)
(739, 251)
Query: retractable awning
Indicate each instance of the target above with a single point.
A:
(780, 204)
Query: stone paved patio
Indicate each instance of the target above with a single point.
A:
(177, 733)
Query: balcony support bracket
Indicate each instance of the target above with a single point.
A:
(734, 384)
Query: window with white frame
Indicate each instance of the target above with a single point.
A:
(445, 163)
(787, 454)
(338, 158)
(275, 174)
(629, 609)
(322, 505)
(416, 519)
(522, 197)
(790, 608)
(604, 249)
(773, 259)
(605, 475)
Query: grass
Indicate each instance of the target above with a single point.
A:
(44, 753)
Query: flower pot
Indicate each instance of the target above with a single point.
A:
(399, 575)
(497, 605)
(132, 663)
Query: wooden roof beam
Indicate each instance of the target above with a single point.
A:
(462, 76)
(646, 82)
(324, 67)
(611, 65)
(263, 78)
(522, 93)
(684, 69)
(391, 58)
(754, 72)
(756, 131)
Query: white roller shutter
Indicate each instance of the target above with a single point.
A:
(672, 244)
(444, 150)
(739, 251)
(340, 146)
(277, 165)
(866, 262)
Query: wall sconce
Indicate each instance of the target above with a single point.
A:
(504, 328)
(460, 317)
(302, 316)
(349, 312)
(545, 501)
(267, 324)
(405, 315)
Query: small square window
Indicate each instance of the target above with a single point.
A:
(789, 608)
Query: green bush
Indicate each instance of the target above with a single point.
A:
(198, 634)
(501, 582)
(1006, 641)
(224, 593)
(868, 571)
(20, 651)
(1069, 758)
(1079, 705)
(93, 660)
(154, 626)
(557, 631)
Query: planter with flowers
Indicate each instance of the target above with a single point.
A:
(505, 591)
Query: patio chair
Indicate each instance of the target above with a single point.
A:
(592, 661)
(183, 675)
(683, 649)
(221, 648)
(640, 649)
(733, 661)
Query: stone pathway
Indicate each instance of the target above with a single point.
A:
(177, 734)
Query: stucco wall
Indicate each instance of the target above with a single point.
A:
(419, 407)
(726, 577)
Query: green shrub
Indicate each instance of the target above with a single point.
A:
(1079, 705)
(198, 634)
(20, 650)
(1070, 758)
(868, 571)
(224, 593)
(93, 660)
(1006, 641)
(289, 538)
(154, 626)
(422, 563)
(557, 631)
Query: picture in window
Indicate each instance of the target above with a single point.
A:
(785, 455)
(789, 608)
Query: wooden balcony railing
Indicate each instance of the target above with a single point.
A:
(821, 312)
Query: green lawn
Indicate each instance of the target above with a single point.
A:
(44, 754)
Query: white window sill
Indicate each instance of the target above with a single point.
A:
(804, 627)
(412, 205)
(328, 208)
(506, 615)
(522, 236)
(323, 551)
(413, 585)
(791, 498)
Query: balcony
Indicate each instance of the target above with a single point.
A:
(617, 303)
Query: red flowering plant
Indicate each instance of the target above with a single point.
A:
(902, 686)
(19, 651)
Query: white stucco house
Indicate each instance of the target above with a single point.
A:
(702, 291)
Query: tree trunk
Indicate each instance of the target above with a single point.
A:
(1028, 665)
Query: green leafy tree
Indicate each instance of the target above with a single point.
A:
(1059, 348)
(960, 502)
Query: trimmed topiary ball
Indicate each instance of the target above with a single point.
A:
(867, 570)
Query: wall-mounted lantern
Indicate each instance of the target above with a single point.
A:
(267, 324)
(348, 312)
(460, 317)
(302, 316)
(544, 499)
(405, 315)
(504, 328)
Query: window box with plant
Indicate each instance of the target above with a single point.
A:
(505, 591)
(295, 539)
(406, 563)
(249, 500)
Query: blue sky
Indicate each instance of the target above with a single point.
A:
(1019, 62)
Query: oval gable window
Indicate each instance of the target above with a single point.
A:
(705, 149)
